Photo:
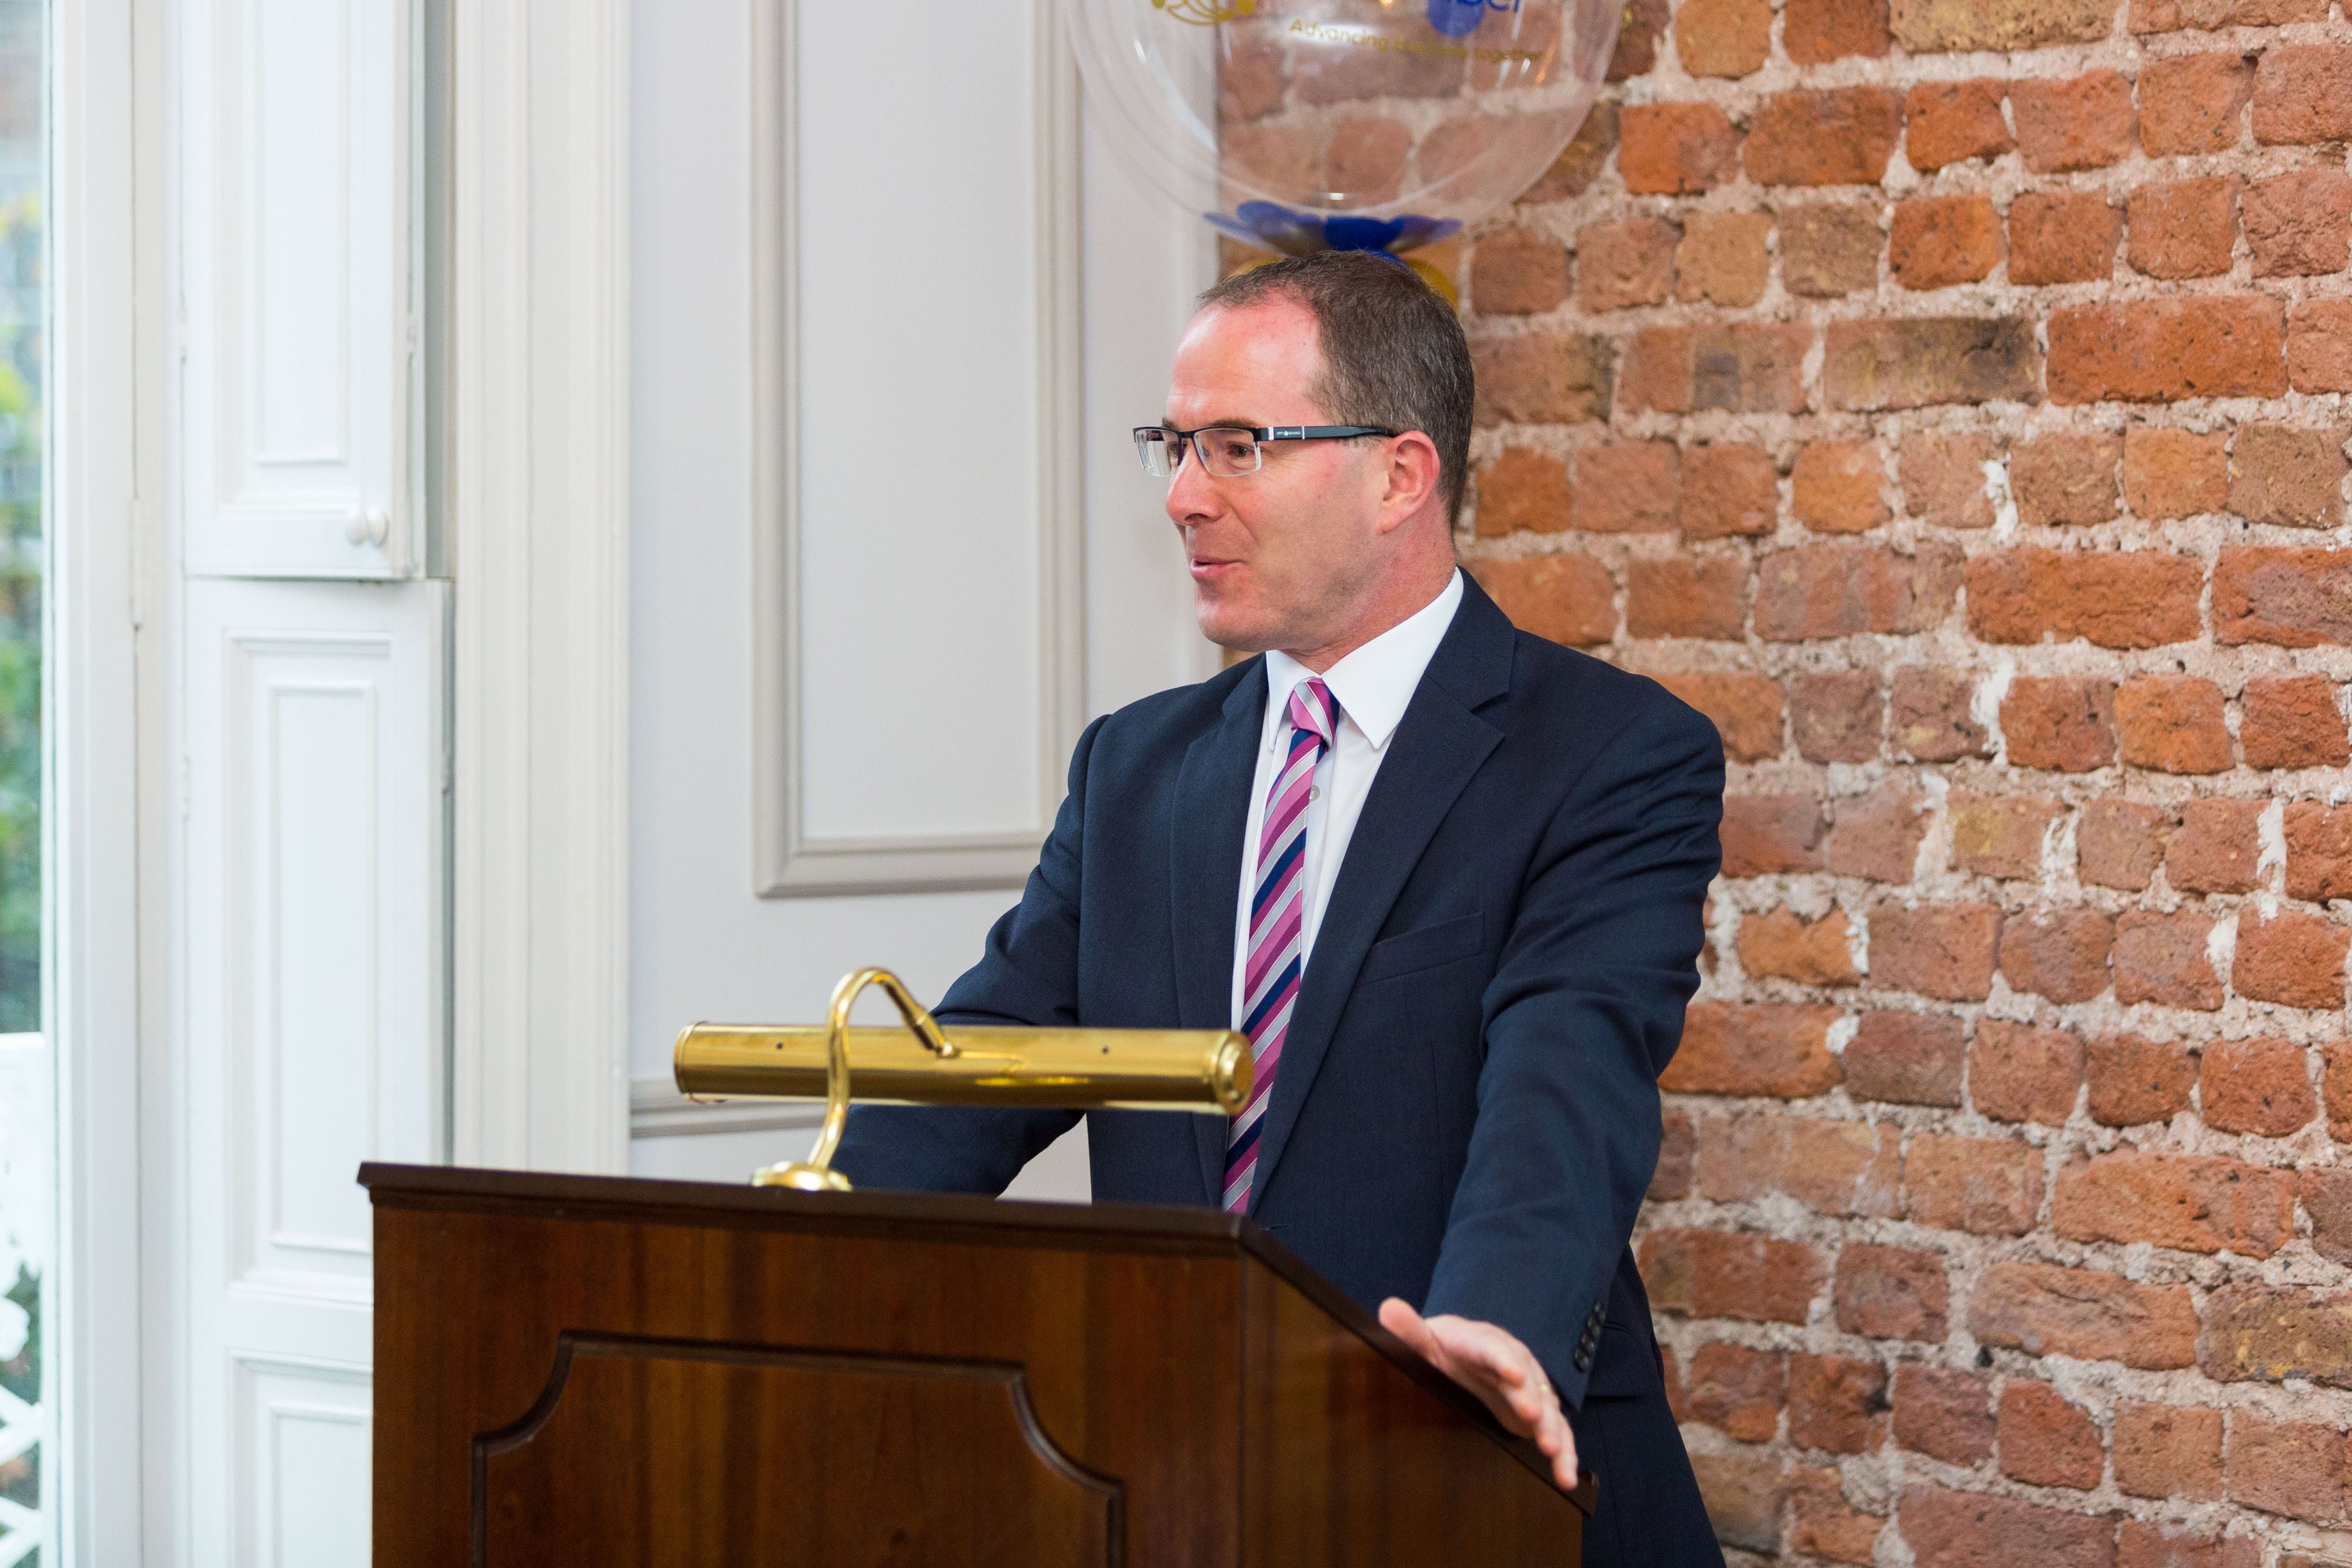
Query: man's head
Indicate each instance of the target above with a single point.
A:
(1330, 542)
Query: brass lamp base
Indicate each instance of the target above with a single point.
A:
(801, 1177)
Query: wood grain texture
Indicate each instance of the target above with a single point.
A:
(1243, 1416)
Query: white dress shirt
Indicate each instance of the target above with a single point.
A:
(1371, 686)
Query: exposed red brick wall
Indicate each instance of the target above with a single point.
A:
(1950, 398)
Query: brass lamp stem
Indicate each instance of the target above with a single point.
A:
(816, 1174)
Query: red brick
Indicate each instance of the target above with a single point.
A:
(1836, 1403)
(1938, 241)
(1749, 367)
(1837, 715)
(1537, 379)
(2302, 94)
(1892, 1292)
(1517, 271)
(1744, 1494)
(2061, 723)
(2048, 1441)
(1938, 950)
(2086, 123)
(2175, 473)
(2338, 1087)
(1877, 835)
(2258, 1086)
(1879, 363)
(1628, 487)
(2135, 1081)
(1747, 709)
(1910, 1058)
(1728, 491)
(2191, 1203)
(1999, 835)
(1991, 1187)
(2044, 1310)
(2168, 1451)
(1625, 264)
(1566, 598)
(2061, 954)
(1676, 149)
(1823, 1525)
(2300, 224)
(2216, 847)
(1686, 596)
(2268, 1334)
(1368, 156)
(2065, 478)
(1677, 1145)
(1943, 478)
(1723, 258)
(1522, 490)
(2117, 599)
(1842, 1168)
(1971, 1530)
(1930, 26)
(2193, 104)
(1835, 487)
(2119, 843)
(2292, 721)
(1932, 719)
(2319, 346)
(1829, 250)
(2169, 15)
(2184, 229)
(1783, 944)
(2292, 1468)
(2019, 1073)
(2139, 1544)
(1723, 38)
(1836, 591)
(1641, 25)
(2318, 850)
(1944, 1413)
(2162, 958)
(1772, 1049)
(2160, 350)
(2173, 724)
(2295, 598)
(1816, 32)
(1579, 162)
(2063, 236)
(1953, 121)
(2287, 477)
(1738, 1390)
(2328, 1198)
(2294, 959)
(1718, 1274)
(1837, 136)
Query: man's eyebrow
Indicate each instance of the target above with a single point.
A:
(1236, 423)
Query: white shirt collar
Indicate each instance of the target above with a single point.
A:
(1374, 683)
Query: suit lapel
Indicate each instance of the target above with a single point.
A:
(1211, 812)
(1437, 749)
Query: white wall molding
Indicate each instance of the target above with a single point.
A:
(539, 505)
(789, 860)
(657, 1110)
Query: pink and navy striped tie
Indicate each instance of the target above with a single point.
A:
(1277, 909)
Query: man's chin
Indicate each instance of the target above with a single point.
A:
(1228, 628)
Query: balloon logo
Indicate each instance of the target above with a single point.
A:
(1302, 125)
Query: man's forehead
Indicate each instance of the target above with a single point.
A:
(1265, 351)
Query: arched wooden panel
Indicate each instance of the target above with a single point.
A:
(688, 1455)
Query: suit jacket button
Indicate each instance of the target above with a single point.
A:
(1583, 1360)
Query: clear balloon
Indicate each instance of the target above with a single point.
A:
(1348, 124)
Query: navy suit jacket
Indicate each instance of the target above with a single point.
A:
(1466, 1111)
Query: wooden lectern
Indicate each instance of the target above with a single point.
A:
(588, 1371)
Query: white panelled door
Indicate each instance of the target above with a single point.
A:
(316, 987)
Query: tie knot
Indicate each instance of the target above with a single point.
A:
(1312, 709)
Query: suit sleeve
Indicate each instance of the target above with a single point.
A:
(1583, 1014)
(1027, 973)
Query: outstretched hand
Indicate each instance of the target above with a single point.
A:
(1491, 1363)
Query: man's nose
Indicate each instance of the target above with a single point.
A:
(1190, 495)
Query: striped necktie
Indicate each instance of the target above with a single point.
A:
(1278, 908)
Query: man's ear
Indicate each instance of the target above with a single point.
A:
(1413, 479)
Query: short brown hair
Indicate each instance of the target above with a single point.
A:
(1393, 353)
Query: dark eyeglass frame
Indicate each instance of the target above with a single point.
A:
(1147, 436)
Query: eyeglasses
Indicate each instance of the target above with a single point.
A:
(1230, 450)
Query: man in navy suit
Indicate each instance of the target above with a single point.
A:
(1446, 875)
